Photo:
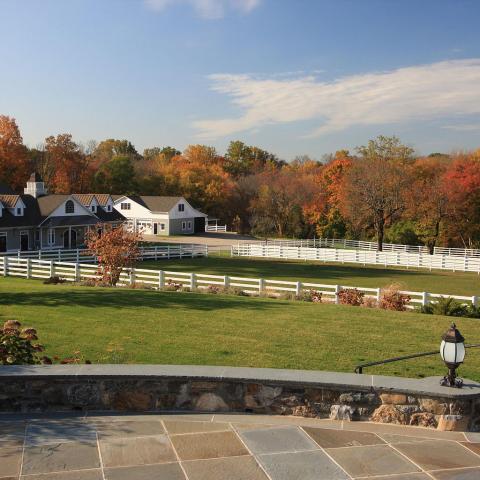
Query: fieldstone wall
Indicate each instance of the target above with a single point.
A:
(222, 393)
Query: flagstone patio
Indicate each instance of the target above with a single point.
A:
(228, 447)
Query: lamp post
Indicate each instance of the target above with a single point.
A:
(452, 350)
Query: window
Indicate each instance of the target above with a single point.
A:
(19, 211)
(125, 206)
(189, 225)
(51, 236)
(94, 208)
(109, 208)
(184, 225)
(181, 207)
(162, 226)
(69, 207)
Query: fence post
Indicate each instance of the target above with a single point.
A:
(231, 251)
(206, 250)
(77, 272)
(168, 252)
(193, 281)
(161, 279)
(298, 289)
(52, 268)
(59, 255)
(261, 285)
(132, 275)
(18, 253)
(39, 254)
(337, 290)
(29, 268)
(475, 301)
(226, 281)
(78, 255)
(156, 252)
(180, 250)
(5, 266)
(379, 294)
(425, 299)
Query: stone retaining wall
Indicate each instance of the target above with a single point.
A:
(338, 396)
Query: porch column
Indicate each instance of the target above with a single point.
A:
(69, 237)
(41, 239)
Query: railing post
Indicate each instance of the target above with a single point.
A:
(39, 254)
(425, 299)
(161, 279)
(52, 268)
(5, 266)
(29, 268)
(337, 291)
(193, 281)
(298, 288)
(59, 255)
(226, 281)
(180, 250)
(78, 255)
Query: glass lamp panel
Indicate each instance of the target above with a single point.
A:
(460, 352)
(452, 352)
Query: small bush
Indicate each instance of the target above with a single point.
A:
(472, 311)
(17, 347)
(351, 296)
(447, 306)
(310, 296)
(172, 286)
(392, 299)
(214, 289)
(53, 280)
(370, 302)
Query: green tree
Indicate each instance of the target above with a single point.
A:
(116, 176)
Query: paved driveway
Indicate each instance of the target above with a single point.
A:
(229, 447)
(210, 239)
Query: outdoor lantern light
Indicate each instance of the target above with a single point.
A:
(452, 350)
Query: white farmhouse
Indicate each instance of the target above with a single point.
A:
(154, 215)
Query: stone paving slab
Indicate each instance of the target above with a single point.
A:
(315, 465)
(228, 447)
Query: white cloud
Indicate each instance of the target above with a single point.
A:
(411, 94)
(209, 9)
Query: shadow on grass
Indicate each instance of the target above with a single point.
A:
(122, 298)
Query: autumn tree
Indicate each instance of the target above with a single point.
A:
(373, 193)
(13, 154)
(427, 200)
(462, 184)
(67, 164)
(115, 249)
(117, 176)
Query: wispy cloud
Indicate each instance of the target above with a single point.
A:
(466, 127)
(209, 9)
(411, 94)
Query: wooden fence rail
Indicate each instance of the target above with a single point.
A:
(372, 246)
(158, 279)
(363, 257)
(155, 252)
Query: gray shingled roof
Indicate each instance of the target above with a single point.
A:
(156, 203)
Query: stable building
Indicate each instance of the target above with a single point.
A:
(162, 216)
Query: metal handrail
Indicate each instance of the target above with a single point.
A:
(359, 368)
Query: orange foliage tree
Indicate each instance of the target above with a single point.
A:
(115, 249)
(13, 154)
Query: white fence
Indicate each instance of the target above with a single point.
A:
(158, 279)
(373, 246)
(386, 259)
(215, 228)
(153, 252)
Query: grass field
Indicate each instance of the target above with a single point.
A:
(136, 326)
(454, 283)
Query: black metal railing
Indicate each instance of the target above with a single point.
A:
(359, 368)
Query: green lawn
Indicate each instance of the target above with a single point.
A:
(454, 283)
(137, 326)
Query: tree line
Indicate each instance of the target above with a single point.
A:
(383, 190)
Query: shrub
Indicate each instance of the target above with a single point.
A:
(310, 296)
(447, 306)
(214, 289)
(370, 302)
(392, 299)
(173, 286)
(54, 280)
(472, 311)
(351, 296)
(17, 347)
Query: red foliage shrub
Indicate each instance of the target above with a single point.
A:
(351, 296)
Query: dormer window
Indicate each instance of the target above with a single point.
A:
(69, 207)
(109, 208)
(181, 207)
(125, 206)
(19, 211)
(94, 208)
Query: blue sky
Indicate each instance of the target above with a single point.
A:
(291, 76)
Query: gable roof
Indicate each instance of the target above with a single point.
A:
(31, 214)
(35, 177)
(83, 198)
(9, 201)
(155, 203)
(49, 203)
